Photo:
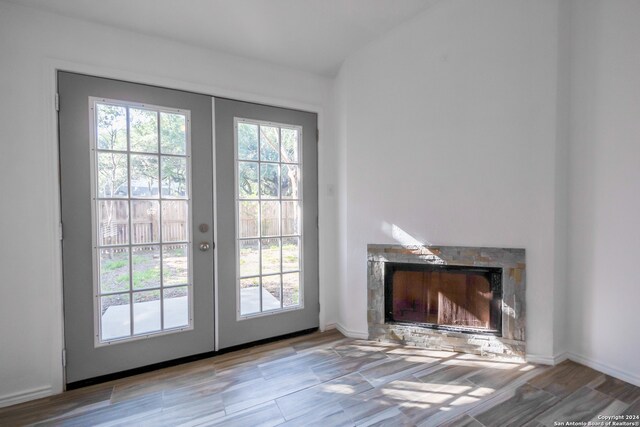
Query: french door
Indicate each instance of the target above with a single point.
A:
(267, 190)
(136, 184)
(137, 173)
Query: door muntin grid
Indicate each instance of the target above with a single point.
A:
(146, 280)
(276, 284)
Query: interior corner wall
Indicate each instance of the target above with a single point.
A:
(451, 140)
(339, 125)
(604, 234)
(563, 135)
(330, 190)
(30, 307)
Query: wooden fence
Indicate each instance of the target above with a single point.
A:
(270, 221)
(145, 228)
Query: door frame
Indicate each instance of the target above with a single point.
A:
(51, 67)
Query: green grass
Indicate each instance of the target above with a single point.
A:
(139, 259)
(115, 264)
(143, 278)
(122, 278)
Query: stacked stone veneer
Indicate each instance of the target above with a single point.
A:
(512, 261)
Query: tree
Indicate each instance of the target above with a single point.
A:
(112, 166)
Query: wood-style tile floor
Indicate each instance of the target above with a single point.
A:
(327, 380)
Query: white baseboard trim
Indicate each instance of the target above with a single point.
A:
(352, 334)
(23, 396)
(604, 368)
(546, 360)
(329, 327)
(586, 361)
(539, 359)
(559, 358)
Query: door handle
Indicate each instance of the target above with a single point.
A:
(205, 246)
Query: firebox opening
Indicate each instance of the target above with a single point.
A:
(458, 298)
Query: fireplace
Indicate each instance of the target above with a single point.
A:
(455, 298)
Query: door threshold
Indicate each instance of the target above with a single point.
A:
(180, 361)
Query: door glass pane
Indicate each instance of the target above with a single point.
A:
(144, 176)
(248, 217)
(290, 218)
(146, 312)
(269, 180)
(270, 218)
(144, 130)
(114, 270)
(146, 267)
(173, 134)
(291, 289)
(271, 292)
(176, 307)
(291, 254)
(270, 256)
(174, 177)
(247, 141)
(112, 127)
(145, 221)
(249, 257)
(113, 217)
(112, 175)
(248, 180)
(250, 296)
(290, 182)
(143, 239)
(269, 144)
(289, 145)
(174, 221)
(115, 316)
(273, 184)
(175, 265)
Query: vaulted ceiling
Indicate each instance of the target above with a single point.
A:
(309, 35)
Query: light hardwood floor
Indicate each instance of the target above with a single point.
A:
(327, 380)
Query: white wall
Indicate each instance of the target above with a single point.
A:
(451, 139)
(605, 186)
(30, 42)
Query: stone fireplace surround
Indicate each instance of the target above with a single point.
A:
(510, 345)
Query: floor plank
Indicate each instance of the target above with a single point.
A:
(619, 389)
(581, 406)
(527, 403)
(302, 402)
(464, 421)
(565, 378)
(325, 379)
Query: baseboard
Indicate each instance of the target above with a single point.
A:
(23, 396)
(547, 360)
(352, 334)
(604, 368)
(586, 361)
(329, 327)
(539, 359)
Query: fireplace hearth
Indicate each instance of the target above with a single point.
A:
(465, 299)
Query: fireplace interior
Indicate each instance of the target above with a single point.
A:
(459, 298)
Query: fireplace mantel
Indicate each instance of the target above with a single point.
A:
(512, 262)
